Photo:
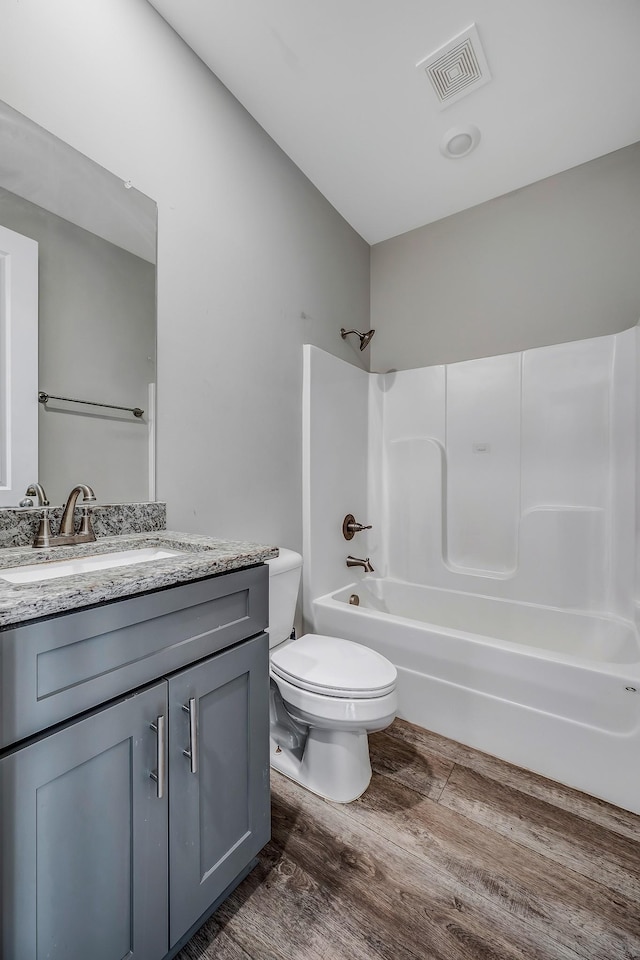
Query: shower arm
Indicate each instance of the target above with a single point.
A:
(365, 338)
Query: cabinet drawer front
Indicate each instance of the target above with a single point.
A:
(84, 850)
(53, 669)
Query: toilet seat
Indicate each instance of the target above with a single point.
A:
(337, 713)
(334, 667)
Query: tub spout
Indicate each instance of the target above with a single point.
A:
(356, 562)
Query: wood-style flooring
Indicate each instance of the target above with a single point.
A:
(449, 855)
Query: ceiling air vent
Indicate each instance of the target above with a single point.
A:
(457, 68)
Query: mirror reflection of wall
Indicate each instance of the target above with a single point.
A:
(96, 312)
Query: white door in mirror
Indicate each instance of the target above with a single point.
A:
(50, 569)
(19, 369)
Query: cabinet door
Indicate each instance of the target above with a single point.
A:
(219, 810)
(84, 840)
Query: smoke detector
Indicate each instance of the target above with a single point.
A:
(457, 68)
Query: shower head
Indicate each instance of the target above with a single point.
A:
(365, 338)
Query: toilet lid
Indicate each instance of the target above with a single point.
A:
(334, 667)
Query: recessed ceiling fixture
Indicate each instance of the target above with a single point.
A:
(457, 68)
(459, 141)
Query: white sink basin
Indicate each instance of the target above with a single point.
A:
(50, 569)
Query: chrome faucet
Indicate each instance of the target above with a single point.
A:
(356, 562)
(66, 534)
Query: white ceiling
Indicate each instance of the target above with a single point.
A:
(334, 82)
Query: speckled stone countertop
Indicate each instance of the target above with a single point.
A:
(204, 557)
(18, 525)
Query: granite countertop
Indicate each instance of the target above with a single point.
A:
(205, 556)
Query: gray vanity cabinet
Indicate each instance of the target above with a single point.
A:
(219, 785)
(125, 817)
(84, 856)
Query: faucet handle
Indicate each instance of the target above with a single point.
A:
(350, 527)
(86, 530)
(44, 536)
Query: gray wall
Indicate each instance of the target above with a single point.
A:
(96, 341)
(552, 262)
(246, 246)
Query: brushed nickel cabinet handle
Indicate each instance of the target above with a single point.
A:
(159, 774)
(192, 753)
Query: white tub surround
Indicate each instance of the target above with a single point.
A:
(502, 493)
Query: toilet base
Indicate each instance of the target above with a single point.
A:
(335, 763)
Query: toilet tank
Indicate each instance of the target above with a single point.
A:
(284, 580)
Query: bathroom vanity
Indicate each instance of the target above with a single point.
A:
(134, 769)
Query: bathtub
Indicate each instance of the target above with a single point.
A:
(551, 690)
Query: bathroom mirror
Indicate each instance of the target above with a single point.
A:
(96, 317)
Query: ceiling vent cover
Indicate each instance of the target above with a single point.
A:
(457, 68)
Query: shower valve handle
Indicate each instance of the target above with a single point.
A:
(350, 526)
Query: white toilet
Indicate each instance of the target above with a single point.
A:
(326, 695)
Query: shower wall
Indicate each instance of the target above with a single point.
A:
(334, 469)
(511, 476)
